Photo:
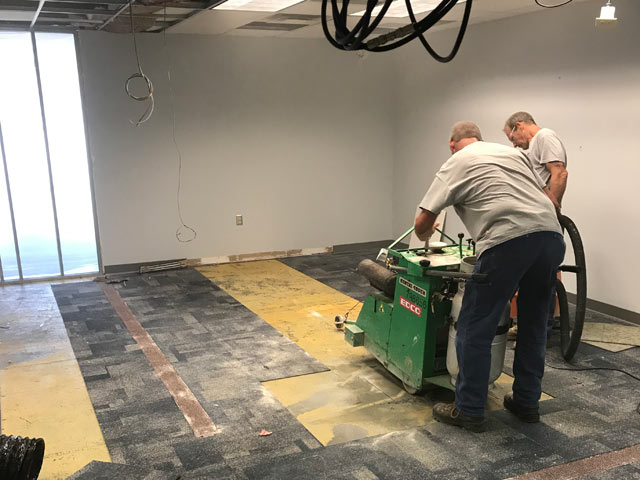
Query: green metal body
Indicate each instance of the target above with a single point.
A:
(409, 333)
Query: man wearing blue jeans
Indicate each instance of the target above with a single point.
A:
(548, 157)
(503, 203)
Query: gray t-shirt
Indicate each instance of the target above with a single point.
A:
(495, 192)
(545, 147)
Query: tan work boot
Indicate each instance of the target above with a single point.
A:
(449, 414)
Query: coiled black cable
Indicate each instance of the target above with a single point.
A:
(553, 6)
(356, 37)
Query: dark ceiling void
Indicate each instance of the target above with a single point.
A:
(107, 15)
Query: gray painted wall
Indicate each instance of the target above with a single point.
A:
(311, 146)
(581, 81)
(297, 137)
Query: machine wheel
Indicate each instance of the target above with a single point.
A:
(571, 327)
(338, 321)
(411, 390)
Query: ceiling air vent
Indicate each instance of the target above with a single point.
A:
(280, 27)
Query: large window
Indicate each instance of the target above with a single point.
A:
(46, 214)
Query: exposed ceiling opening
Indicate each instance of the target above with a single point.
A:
(107, 15)
(199, 17)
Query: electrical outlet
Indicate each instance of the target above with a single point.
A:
(239, 220)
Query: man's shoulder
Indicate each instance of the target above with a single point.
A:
(490, 148)
(546, 139)
(546, 133)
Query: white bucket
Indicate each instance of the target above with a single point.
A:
(499, 344)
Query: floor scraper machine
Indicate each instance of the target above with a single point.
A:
(409, 322)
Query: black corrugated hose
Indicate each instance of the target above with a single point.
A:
(20, 457)
(355, 38)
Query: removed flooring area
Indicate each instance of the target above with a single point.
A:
(230, 352)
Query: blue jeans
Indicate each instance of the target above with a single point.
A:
(530, 263)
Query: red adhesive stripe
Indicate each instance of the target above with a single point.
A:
(185, 399)
(586, 466)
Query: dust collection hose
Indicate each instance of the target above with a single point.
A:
(378, 276)
(20, 457)
(571, 329)
(345, 37)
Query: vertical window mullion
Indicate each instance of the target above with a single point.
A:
(13, 218)
(46, 144)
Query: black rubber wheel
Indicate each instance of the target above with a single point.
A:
(571, 326)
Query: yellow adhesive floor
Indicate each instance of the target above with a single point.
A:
(357, 398)
(611, 336)
(42, 392)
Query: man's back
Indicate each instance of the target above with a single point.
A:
(495, 192)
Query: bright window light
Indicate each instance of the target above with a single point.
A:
(257, 5)
(398, 8)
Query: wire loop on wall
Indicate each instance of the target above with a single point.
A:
(183, 228)
(139, 74)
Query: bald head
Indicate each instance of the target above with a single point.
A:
(465, 130)
(462, 134)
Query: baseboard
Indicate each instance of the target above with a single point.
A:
(248, 257)
(133, 267)
(194, 262)
(607, 309)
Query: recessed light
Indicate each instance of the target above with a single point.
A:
(256, 5)
(398, 8)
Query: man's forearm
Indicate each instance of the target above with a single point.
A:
(558, 180)
(424, 224)
(557, 185)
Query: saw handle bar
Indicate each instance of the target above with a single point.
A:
(570, 268)
(476, 277)
(459, 276)
(397, 241)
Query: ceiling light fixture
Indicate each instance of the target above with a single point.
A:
(256, 5)
(607, 16)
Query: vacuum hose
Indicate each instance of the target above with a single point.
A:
(378, 276)
(20, 457)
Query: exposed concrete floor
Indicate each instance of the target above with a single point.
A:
(42, 392)
(224, 352)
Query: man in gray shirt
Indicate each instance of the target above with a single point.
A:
(549, 159)
(543, 147)
(501, 201)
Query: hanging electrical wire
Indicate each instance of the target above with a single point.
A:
(552, 6)
(355, 38)
(139, 74)
(183, 226)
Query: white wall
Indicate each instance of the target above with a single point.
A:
(581, 81)
(303, 140)
(297, 137)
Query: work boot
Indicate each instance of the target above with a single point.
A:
(526, 414)
(512, 333)
(449, 414)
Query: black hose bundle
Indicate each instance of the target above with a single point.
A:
(20, 457)
(356, 38)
